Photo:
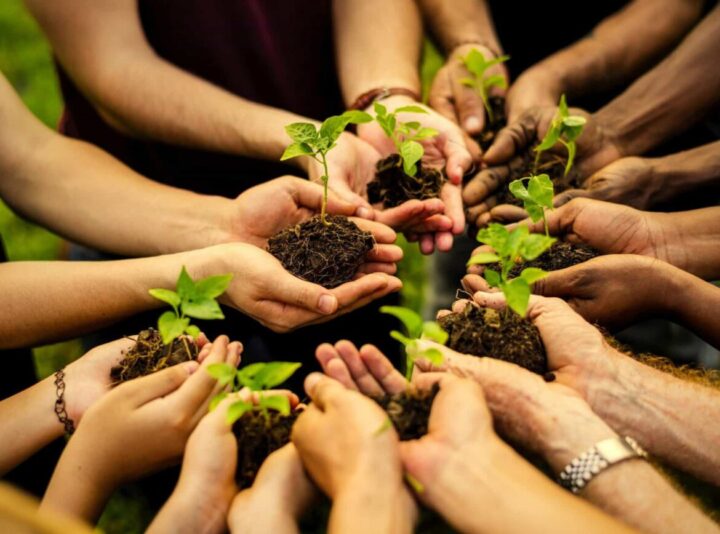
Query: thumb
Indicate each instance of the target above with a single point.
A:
(289, 289)
(342, 192)
(511, 140)
(555, 284)
(148, 388)
(567, 196)
(309, 195)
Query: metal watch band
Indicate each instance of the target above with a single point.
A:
(602, 455)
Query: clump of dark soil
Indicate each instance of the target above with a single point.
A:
(522, 166)
(409, 411)
(258, 436)
(328, 255)
(498, 334)
(560, 255)
(149, 355)
(392, 186)
(486, 138)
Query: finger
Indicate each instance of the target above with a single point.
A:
(361, 376)
(440, 96)
(444, 241)
(473, 283)
(323, 391)
(452, 197)
(427, 243)
(382, 233)
(385, 254)
(376, 267)
(459, 305)
(360, 292)
(507, 213)
(309, 195)
(148, 388)
(566, 196)
(435, 223)
(344, 193)
(485, 183)
(389, 378)
(333, 365)
(291, 290)
(459, 159)
(442, 313)
(468, 104)
(204, 352)
(410, 213)
(254, 397)
(512, 140)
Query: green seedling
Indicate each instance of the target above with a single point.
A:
(416, 328)
(564, 128)
(405, 135)
(313, 142)
(537, 196)
(477, 65)
(257, 377)
(190, 300)
(512, 248)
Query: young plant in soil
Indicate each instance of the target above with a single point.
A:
(262, 427)
(477, 65)
(173, 340)
(401, 177)
(326, 249)
(537, 197)
(564, 129)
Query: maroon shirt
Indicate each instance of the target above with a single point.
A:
(275, 52)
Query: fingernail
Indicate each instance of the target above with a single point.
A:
(327, 304)
(364, 213)
(472, 124)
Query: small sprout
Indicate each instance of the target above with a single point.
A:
(477, 65)
(405, 135)
(512, 248)
(536, 197)
(416, 328)
(190, 300)
(414, 483)
(308, 140)
(564, 128)
(257, 377)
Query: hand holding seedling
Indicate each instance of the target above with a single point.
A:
(510, 248)
(139, 427)
(462, 102)
(340, 446)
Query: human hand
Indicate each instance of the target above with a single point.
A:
(456, 101)
(278, 497)
(264, 290)
(613, 290)
(534, 88)
(366, 370)
(137, 428)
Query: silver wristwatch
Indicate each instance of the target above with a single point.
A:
(602, 455)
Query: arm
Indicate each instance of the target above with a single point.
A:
(640, 118)
(618, 49)
(461, 22)
(103, 47)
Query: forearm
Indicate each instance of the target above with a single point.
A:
(461, 22)
(78, 297)
(120, 211)
(673, 419)
(686, 171)
(632, 491)
(689, 240)
(621, 46)
(378, 45)
(28, 423)
(381, 505)
(695, 304)
(671, 97)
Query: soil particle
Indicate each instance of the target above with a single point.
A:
(409, 411)
(559, 256)
(392, 186)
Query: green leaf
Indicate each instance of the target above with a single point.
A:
(401, 338)
(532, 275)
(185, 285)
(563, 110)
(236, 411)
(535, 211)
(274, 373)
(496, 80)
(518, 189)
(171, 326)
(354, 116)
(468, 82)
(534, 245)
(213, 286)
(551, 137)
(412, 125)
(411, 152)
(540, 189)
(217, 399)
(514, 242)
(571, 148)
(574, 121)
(517, 294)
(296, 149)
(492, 277)
(222, 372)
(475, 62)
(279, 403)
(410, 319)
(496, 61)
(495, 235)
(192, 331)
(302, 132)
(246, 375)
(434, 332)
(425, 133)
(166, 295)
(202, 308)
(414, 483)
(483, 258)
(332, 127)
(387, 425)
(434, 356)
(411, 109)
